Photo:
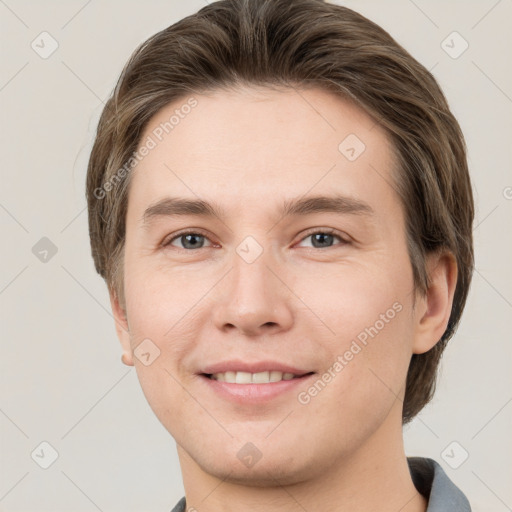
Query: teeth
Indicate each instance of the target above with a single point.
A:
(252, 378)
(243, 378)
(275, 376)
(260, 378)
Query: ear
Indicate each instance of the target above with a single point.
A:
(433, 310)
(122, 328)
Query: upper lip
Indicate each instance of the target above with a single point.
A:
(254, 367)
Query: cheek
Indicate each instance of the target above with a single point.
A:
(353, 297)
(163, 323)
(368, 331)
(160, 301)
(364, 376)
(165, 316)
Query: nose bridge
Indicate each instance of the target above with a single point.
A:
(252, 279)
(254, 300)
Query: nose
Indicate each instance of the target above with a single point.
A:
(253, 300)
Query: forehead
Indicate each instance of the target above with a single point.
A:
(246, 146)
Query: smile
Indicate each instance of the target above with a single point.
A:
(265, 377)
(252, 389)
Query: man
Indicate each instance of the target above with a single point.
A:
(280, 204)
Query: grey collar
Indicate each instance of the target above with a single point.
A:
(431, 481)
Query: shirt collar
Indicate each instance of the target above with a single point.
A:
(431, 481)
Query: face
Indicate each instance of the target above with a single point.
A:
(272, 330)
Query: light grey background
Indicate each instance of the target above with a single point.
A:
(62, 381)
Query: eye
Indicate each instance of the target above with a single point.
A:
(324, 238)
(188, 240)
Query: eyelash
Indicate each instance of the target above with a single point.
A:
(325, 231)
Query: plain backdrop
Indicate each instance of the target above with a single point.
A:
(62, 380)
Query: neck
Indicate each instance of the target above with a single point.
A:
(374, 477)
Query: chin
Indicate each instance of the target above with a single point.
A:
(267, 473)
(243, 464)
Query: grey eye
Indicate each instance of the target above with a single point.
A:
(322, 239)
(189, 240)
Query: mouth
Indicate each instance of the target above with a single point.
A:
(263, 377)
(254, 384)
(249, 383)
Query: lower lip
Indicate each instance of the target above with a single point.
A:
(256, 393)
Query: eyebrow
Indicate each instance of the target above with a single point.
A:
(175, 206)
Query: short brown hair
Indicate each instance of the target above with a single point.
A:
(301, 43)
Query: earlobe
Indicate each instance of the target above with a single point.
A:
(122, 328)
(435, 307)
(127, 359)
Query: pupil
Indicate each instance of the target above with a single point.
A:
(194, 240)
(323, 237)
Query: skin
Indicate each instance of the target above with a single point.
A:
(248, 150)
